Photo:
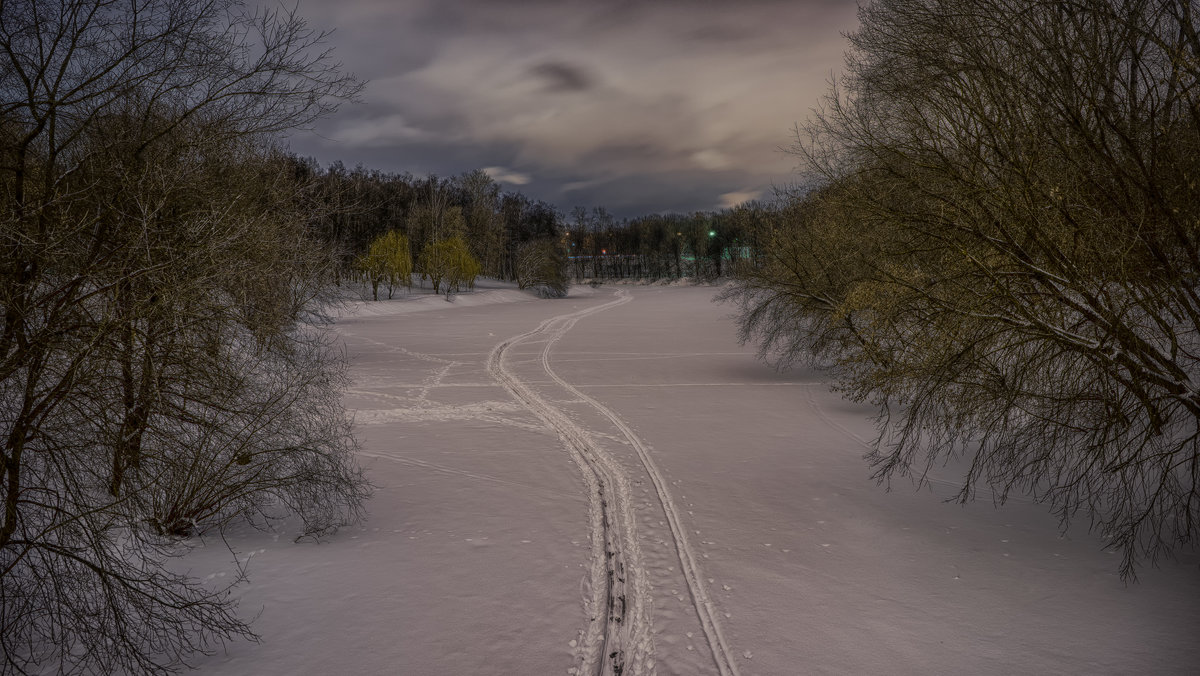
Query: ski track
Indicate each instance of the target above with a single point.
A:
(705, 610)
(619, 588)
(608, 634)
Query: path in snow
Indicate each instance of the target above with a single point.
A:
(621, 635)
(687, 558)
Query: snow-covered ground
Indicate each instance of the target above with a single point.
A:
(526, 450)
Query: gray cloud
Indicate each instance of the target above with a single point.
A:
(721, 34)
(635, 106)
(558, 76)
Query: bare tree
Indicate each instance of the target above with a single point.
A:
(160, 372)
(1012, 183)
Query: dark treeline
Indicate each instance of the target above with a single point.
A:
(355, 207)
(700, 245)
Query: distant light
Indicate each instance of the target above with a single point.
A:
(712, 233)
(604, 251)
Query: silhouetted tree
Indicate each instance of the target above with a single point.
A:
(1004, 252)
(157, 373)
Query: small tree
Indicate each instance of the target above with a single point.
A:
(387, 260)
(449, 263)
(541, 263)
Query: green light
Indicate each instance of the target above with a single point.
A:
(712, 233)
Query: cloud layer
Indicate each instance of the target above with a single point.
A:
(636, 106)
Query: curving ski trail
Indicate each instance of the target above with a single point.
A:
(705, 610)
(619, 634)
(621, 642)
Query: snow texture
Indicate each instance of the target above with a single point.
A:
(608, 483)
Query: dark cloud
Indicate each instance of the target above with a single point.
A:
(672, 105)
(646, 152)
(558, 76)
(627, 196)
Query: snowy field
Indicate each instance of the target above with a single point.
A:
(525, 450)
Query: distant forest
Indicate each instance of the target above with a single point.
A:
(352, 208)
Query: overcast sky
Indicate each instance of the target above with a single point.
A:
(639, 106)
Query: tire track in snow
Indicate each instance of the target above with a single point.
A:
(623, 640)
(619, 634)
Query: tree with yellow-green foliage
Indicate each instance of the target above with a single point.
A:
(387, 260)
(449, 263)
